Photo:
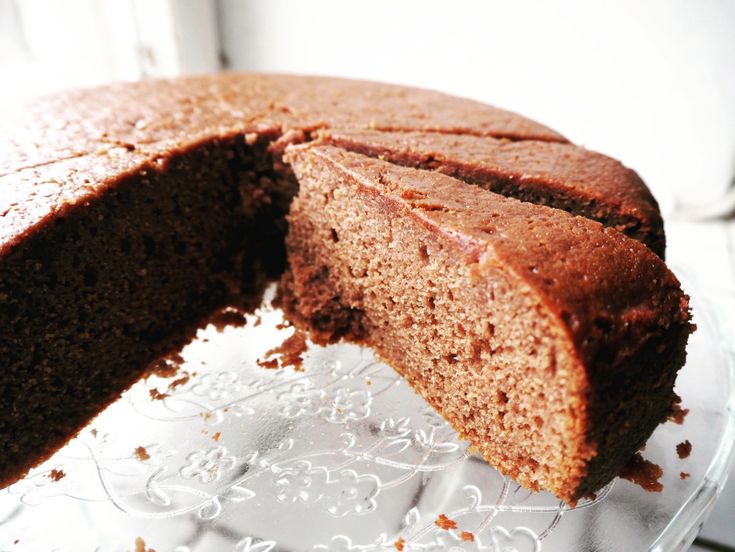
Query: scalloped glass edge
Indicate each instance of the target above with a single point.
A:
(683, 528)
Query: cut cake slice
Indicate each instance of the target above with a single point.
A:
(549, 341)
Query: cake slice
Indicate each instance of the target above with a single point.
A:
(549, 341)
(560, 175)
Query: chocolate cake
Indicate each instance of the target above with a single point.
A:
(131, 212)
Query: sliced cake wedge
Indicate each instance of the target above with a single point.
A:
(550, 341)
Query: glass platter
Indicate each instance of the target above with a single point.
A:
(343, 457)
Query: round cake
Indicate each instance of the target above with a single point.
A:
(514, 279)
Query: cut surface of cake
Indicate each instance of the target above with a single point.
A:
(130, 212)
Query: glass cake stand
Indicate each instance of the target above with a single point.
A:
(343, 456)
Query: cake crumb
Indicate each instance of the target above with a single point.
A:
(399, 544)
(183, 380)
(290, 353)
(683, 475)
(445, 523)
(216, 436)
(684, 449)
(142, 454)
(258, 321)
(643, 473)
(93, 431)
(141, 547)
(16, 541)
(56, 475)
(157, 395)
(167, 366)
(467, 536)
(271, 364)
(678, 414)
(228, 316)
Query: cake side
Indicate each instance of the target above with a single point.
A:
(453, 286)
(563, 176)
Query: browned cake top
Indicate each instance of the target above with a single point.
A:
(561, 168)
(575, 265)
(59, 149)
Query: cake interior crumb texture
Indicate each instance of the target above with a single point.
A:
(547, 334)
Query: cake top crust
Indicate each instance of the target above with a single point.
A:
(60, 149)
(560, 168)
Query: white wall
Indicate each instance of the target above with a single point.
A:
(49, 45)
(650, 82)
